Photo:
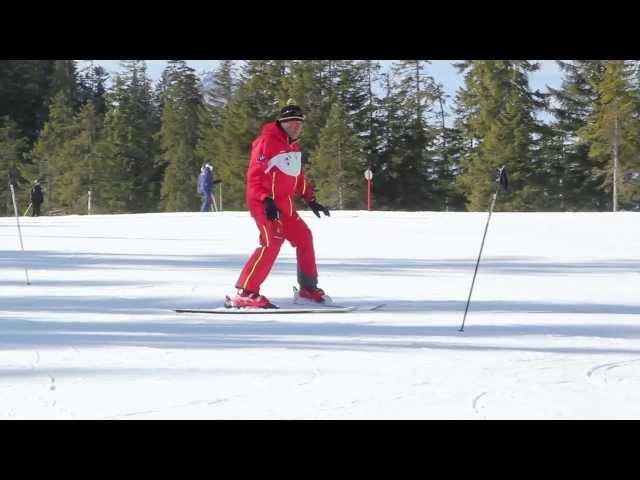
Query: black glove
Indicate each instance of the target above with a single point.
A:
(270, 209)
(317, 208)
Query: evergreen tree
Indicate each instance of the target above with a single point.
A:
(64, 79)
(453, 155)
(219, 88)
(372, 129)
(13, 148)
(263, 87)
(573, 178)
(179, 137)
(305, 85)
(354, 86)
(386, 184)
(336, 171)
(129, 180)
(25, 94)
(80, 175)
(229, 147)
(411, 138)
(260, 93)
(65, 155)
(551, 172)
(612, 128)
(93, 87)
(50, 160)
(498, 121)
(151, 147)
(113, 182)
(447, 154)
(352, 92)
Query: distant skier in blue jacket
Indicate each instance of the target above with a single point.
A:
(205, 186)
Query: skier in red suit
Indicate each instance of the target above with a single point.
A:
(274, 178)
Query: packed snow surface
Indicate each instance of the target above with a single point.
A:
(552, 331)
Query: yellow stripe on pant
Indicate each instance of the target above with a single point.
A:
(254, 268)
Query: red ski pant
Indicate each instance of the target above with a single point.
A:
(272, 234)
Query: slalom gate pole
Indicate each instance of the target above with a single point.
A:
(215, 205)
(501, 180)
(15, 208)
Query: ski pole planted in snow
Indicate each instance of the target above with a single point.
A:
(502, 181)
(214, 205)
(15, 208)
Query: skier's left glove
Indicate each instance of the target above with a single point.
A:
(317, 208)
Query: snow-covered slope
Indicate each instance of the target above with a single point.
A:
(553, 329)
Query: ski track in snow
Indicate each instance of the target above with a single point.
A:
(607, 367)
(474, 403)
(193, 403)
(315, 374)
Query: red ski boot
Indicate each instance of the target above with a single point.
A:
(311, 295)
(247, 299)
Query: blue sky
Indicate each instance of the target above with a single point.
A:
(442, 70)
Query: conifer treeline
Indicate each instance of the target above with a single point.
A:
(138, 146)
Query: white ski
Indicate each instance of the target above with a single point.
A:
(260, 311)
(311, 307)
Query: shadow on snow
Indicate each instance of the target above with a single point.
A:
(222, 332)
(49, 260)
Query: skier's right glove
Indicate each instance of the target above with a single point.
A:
(270, 209)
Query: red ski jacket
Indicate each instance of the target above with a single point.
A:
(275, 170)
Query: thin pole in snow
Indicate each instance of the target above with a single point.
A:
(214, 205)
(15, 208)
(501, 180)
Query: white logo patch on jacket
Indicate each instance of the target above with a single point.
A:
(289, 163)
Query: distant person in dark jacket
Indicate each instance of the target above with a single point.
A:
(205, 187)
(36, 199)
